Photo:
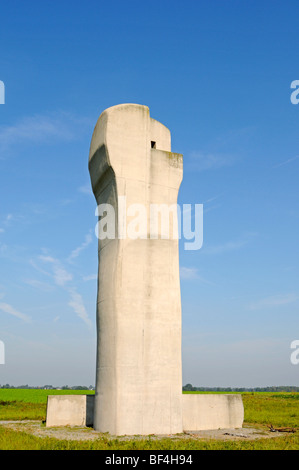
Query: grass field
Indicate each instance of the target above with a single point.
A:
(18, 403)
(261, 410)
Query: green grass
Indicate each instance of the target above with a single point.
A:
(15, 410)
(11, 440)
(16, 404)
(278, 409)
(32, 395)
(261, 410)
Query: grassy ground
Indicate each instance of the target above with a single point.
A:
(261, 410)
(29, 403)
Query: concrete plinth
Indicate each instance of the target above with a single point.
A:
(70, 410)
(212, 411)
(200, 411)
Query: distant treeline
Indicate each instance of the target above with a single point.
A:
(49, 387)
(186, 388)
(282, 388)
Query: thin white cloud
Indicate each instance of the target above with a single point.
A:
(91, 277)
(60, 274)
(62, 278)
(86, 189)
(211, 208)
(76, 252)
(274, 301)
(230, 245)
(76, 302)
(211, 199)
(188, 273)
(224, 247)
(39, 285)
(39, 269)
(289, 160)
(210, 161)
(8, 218)
(39, 129)
(47, 259)
(7, 308)
(66, 202)
(3, 249)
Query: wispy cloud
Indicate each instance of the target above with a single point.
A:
(37, 129)
(39, 285)
(76, 302)
(210, 208)
(191, 274)
(224, 247)
(229, 245)
(274, 301)
(63, 278)
(76, 252)
(210, 161)
(86, 189)
(188, 273)
(61, 275)
(285, 162)
(91, 277)
(7, 308)
(9, 219)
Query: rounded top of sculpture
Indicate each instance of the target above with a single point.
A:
(124, 124)
(124, 107)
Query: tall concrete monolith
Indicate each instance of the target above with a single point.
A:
(138, 371)
(135, 179)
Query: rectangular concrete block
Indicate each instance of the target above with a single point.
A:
(70, 410)
(212, 411)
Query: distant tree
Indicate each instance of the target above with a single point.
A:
(188, 388)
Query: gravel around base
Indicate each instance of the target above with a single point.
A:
(78, 433)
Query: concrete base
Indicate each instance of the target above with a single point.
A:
(212, 411)
(70, 410)
(200, 411)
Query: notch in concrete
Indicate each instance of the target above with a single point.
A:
(153, 144)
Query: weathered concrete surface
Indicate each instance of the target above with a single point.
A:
(200, 411)
(138, 372)
(212, 411)
(72, 410)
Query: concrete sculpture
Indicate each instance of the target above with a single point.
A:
(134, 174)
(139, 372)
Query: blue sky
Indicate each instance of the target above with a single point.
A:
(218, 75)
